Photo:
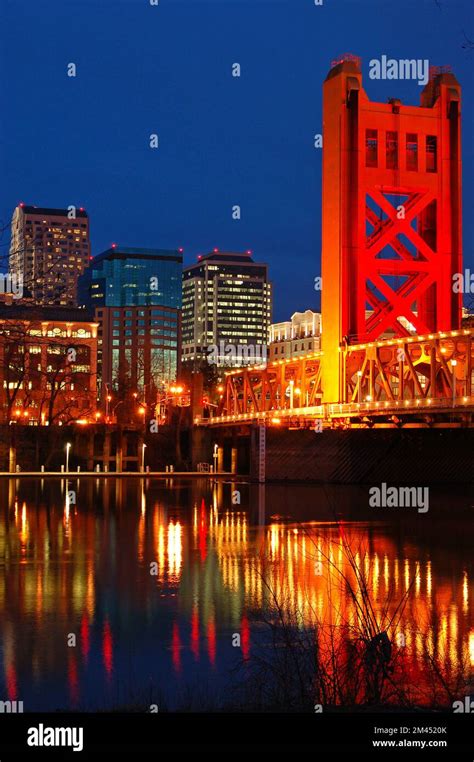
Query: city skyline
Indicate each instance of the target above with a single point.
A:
(182, 193)
(236, 374)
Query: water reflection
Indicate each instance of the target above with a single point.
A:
(154, 579)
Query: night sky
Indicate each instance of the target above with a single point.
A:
(222, 140)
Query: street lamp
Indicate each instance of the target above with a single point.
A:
(108, 399)
(68, 447)
(215, 456)
(453, 365)
(115, 407)
(143, 456)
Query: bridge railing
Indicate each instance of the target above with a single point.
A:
(341, 410)
(398, 406)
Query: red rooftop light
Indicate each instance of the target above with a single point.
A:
(114, 245)
(215, 251)
(249, 251)
(22, 204)
(180, 249)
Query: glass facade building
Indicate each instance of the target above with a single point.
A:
(135, 296)
(131, 277)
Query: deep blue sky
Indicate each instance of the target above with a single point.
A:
(223, 140)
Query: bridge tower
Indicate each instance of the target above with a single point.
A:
(391, 231)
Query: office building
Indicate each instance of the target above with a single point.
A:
(227, 309)
(134, 295)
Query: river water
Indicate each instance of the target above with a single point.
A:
(127, 593)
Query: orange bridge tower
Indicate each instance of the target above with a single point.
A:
(391, 231)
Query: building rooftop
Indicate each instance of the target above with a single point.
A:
(45, 211)
(226, 256)
(53, 313)
(129, 252)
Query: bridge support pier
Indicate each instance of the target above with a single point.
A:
(220, 458)
(201, 445)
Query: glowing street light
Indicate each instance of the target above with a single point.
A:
(108, 400)
(68, 447)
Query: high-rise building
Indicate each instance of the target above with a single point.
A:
(135, 297)
(49, 250)
(124, 276)
(227, 304)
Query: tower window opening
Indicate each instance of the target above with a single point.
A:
(371, 148)
(431, 153)
(412, 152)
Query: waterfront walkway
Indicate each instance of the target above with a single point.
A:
(120, 474)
